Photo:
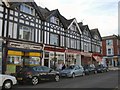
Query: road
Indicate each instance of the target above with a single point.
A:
(100, 80)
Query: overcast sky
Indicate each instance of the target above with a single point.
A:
(101, 14)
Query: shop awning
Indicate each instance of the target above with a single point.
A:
(16, 53)
(33, 54)
(97, 58)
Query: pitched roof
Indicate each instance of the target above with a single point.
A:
(16, 3)
(70, 21)
(95, 32)
(110, 37)
(47, 14)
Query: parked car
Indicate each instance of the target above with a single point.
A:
(89, 70)
(7, 81)
(72, 71)
(35, 74)
(101, 68)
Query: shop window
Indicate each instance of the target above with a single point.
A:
(26, 33)
(14, 60)
(34, 60)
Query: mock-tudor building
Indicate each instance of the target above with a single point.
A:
(90, 45)
(21, 32)
(32, 35)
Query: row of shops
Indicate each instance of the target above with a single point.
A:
(17, 54)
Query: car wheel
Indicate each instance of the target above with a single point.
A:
(83, 74)
(95, 72)
(57, 78)
(7, 85)
(73, 75)
(35, 80)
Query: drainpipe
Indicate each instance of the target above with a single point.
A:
(43, 55)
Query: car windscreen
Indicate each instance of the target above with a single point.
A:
(70, 67)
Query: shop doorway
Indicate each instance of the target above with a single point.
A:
(46, 62)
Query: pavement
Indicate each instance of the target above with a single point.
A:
(114, 68)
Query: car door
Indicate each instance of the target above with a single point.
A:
(46, 71)
(40, 72)
(77, 70)
(81, 70)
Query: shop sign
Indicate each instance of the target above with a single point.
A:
(24, 46)
(73, 51)
(86, 54)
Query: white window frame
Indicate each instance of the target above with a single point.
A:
(21, 31)
(31, 8)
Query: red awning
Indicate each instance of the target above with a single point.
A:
(97, 58)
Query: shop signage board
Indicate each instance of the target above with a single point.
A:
(24, 46)
(86, 54)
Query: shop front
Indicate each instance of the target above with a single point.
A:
(73, 57)
(86, 58)
(54, 57)
(21, 54)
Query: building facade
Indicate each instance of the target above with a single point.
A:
(32, 35)
(111, 50)
(21, 32)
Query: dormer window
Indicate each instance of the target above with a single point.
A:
(54, 20)
(73, 27)
(96, 37)
(85, 33)
(27, 9)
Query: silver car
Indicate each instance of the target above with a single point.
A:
(72, 71)
(7, 81)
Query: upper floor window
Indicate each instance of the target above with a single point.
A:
(85, 33)
(26, 33)
(54, 39)
(96, 37)
(109, 42)
(73, 27)
(54, 20)
(109, 51)
(27, 9)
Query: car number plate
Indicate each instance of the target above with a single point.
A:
(19, 78)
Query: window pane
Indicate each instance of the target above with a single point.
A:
(54, 39)
(26, 33)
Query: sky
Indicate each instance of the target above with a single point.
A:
(101, 14)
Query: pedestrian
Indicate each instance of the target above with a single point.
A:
(64, 66)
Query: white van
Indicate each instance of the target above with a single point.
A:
(7, 81)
